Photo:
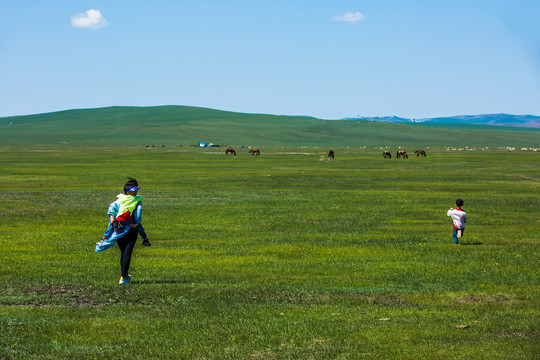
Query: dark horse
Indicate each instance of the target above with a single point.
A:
(230, 151)
(387, 155)
(402, 153)
(254, 151)
(331, 155)
(420, 153)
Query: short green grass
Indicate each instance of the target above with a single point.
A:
(283, 256)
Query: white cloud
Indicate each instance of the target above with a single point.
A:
(92, 19)
(351, 17)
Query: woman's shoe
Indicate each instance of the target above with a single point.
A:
(124, 281)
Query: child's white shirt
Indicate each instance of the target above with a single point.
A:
(459, 218)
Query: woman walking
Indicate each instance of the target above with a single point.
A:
(126, 227)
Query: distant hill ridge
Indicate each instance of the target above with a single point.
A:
(174, 126)
(530, 121)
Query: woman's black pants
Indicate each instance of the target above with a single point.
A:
(126, 244)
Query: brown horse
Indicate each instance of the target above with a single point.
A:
(254, 151)
(402, 153)
(420, 153)
(387, 155)
(331, 155)
(230, 151)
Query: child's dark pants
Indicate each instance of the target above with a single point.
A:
(126, 244)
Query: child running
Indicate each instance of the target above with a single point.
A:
(459, 219)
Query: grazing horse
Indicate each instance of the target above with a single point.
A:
(254, 151)
(230, 151)
(402, 153)
(420, 153)
(387, 155)
(331, 155)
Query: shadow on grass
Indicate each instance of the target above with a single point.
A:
(164, 281)
(471, 243)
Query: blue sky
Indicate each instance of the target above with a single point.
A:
(328, 59)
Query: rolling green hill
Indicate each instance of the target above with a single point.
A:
(183, 125)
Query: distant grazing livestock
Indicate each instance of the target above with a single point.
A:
(254, 151)
(402, 153)
(420, 153)
(230, 151)
(331, 155)
(387, 155)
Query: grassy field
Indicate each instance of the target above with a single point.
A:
(283, 256)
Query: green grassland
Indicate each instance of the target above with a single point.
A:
(284, 256)
(172, 126)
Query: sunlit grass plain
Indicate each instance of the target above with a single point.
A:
(284, 256)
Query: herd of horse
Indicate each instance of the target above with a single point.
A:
(403, 154)
(386, 154)
(252, 151)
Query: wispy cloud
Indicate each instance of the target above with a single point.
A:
(92, 19)
(351, 17)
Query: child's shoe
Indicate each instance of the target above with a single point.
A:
(145, 242)
(459, 234)
(124, 281)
